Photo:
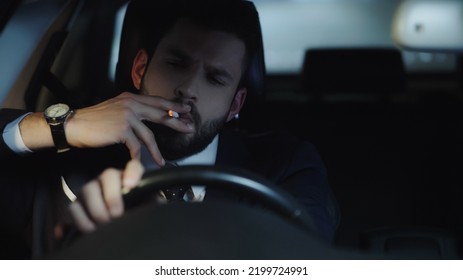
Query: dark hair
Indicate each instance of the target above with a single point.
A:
(153, 19)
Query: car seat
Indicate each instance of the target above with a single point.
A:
(410, 243)
(364, 73)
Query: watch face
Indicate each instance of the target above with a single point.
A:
(57, 110)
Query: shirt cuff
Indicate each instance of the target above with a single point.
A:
(13, 139)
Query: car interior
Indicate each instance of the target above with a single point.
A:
(375, 85)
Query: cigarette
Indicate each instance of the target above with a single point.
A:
(173, 114)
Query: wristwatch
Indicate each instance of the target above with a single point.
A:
(56, 116)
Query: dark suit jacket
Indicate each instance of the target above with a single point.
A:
(285, 160)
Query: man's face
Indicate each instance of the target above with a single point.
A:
(202, 68)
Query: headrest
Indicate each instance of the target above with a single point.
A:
(429, 25)
(131, 41)
(353, 70)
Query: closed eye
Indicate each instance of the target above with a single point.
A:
(175, 62)
(215, 80)
(218, 76)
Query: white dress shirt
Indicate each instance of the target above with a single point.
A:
(206, 157)
(12, 137)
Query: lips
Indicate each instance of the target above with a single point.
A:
(186, 118)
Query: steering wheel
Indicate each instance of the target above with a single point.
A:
(224, 178)
(203, 227)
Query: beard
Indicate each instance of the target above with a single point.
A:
(175, 145)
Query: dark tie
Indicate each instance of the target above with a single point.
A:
(174, 193)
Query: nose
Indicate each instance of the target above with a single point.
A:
(188, 89)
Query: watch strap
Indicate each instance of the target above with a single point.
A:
(58, 134)
(59, 137)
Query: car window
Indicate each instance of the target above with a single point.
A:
(291, 27)
(7, 8)
(23, 37)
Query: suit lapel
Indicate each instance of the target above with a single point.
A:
(231, 152)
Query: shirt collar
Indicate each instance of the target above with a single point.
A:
(205, 157)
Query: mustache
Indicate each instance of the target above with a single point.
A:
(194, 114)
(194, 110)
(184, 102)
(177, 99)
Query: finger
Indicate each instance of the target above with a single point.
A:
(92, 199)
(156, 154)
(162, 103)
(81, 220)
(145, 135)
(133, 144)
(156, 109)
(111, 185)
(167, 105)
(163, 117)
(131, 175)
(185, 126)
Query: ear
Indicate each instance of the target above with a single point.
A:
(139, 67)
(237, 103)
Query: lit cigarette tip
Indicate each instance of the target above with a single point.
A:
(173, 114)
